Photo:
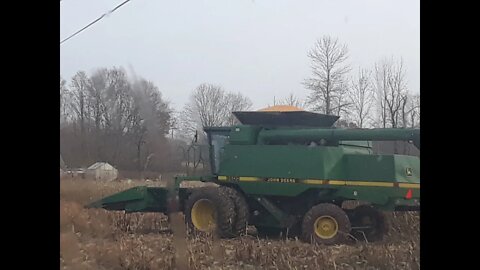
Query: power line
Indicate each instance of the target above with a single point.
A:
(96, 20)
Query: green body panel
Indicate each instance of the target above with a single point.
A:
(272, 189)
(248, 135)
(324, 163)
(278, 161)
(386, 168)
(386, 198)
(357, 147)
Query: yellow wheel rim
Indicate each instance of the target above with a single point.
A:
(325, 227)
(203, 215)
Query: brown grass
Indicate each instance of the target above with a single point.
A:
(98, 239)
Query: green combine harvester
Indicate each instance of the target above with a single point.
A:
(290, 171)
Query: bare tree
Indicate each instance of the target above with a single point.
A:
(79, 87)
(205, 108)
(361, 97)
(411, 111)
(292, 100)
(210, 105)
(236, 102)
(391, 92)
(96, 92)
(414, 111)
(342, 108)
(327, 83)
(382, 71)
(405, 99)
(120, 121)
(64, 100)
(396, 96)
(174, 122)
(109, 102)
(155, 123)
(152, 107)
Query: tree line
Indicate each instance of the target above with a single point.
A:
(107, 116)
(377, 97)
(126, 121)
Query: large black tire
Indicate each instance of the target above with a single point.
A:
(223, 210)
(366, 215)
(240, 221)
(326, 224)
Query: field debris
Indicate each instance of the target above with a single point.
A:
(98, 239)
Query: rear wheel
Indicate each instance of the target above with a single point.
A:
(368, 223)
(210, 210)
(326, 224)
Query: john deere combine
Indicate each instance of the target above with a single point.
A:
(290, 170)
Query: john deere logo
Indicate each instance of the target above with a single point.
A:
(408, 171)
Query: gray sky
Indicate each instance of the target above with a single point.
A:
(258, 48)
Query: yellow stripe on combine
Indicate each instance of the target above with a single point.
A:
(313, 182)
(359, 183)
(249, 179)
(408, 185)
(369, 184)
(335, 182)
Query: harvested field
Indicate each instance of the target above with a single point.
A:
(98, 239)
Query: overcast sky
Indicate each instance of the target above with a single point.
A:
(256, 47)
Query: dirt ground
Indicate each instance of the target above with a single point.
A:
(98, 239)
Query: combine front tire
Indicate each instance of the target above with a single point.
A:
(326, 224)
(210, 210)
(241, 211)
(369, 223)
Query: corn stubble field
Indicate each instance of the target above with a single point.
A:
(99, 239)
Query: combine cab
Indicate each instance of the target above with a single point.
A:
(291, 170)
